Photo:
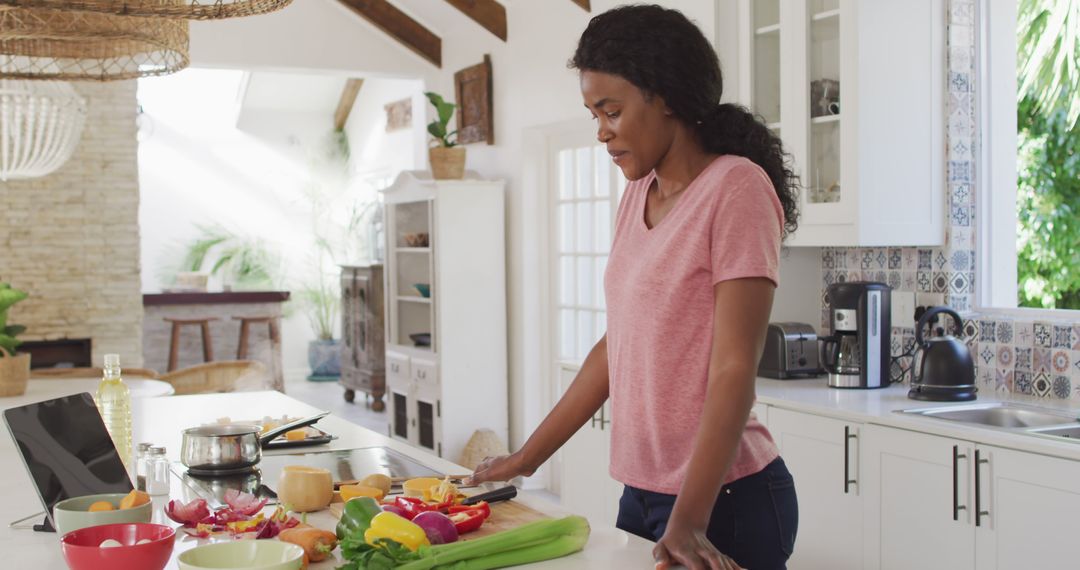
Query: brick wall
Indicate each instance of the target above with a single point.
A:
(71, 239)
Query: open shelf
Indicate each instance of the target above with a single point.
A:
(413, 249)
(768, 29)
(774, 126)
(422, 300)
(826, 15)
(825, 119)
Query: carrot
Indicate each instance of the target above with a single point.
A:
(317, 543)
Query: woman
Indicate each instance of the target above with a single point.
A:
(689, 287)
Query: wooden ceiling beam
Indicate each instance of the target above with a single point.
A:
(400, 26)
(488, 13)
(345, 105)
(584, 4)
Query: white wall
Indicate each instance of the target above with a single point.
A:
(197, 166)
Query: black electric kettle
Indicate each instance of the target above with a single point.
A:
(946, 372)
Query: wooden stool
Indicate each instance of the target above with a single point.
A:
(174, 340)
(275, 342)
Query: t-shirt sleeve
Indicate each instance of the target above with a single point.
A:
(746, 227)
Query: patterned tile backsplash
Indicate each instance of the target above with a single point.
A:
(1011, 356)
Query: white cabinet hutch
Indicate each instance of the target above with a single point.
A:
(446, 368)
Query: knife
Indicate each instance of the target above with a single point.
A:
(502, 494)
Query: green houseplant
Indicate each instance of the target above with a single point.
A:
(242, 262)
(446, 156)
(14, 368)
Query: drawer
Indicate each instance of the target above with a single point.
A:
(424, 373)
(397, 369)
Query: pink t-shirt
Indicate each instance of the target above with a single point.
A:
(659, 293)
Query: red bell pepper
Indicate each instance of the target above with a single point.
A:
(467, 518)
(412, 506)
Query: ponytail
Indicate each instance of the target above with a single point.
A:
(732, 129)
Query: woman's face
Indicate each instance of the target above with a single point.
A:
(636, 130)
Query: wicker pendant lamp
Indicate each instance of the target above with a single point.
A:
(40, 125)
(60, 44)
(190, 9)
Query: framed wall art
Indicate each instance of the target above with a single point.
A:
(472, 89)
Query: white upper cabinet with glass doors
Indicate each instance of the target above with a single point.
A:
(856, 90)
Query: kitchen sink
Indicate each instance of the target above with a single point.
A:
(1071, 432)
(1003, 415)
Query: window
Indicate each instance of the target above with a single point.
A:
(1029, 209)
(589, 187)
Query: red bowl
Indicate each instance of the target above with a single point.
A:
(82, 548)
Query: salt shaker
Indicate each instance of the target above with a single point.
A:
(157, 474)
(142, 454)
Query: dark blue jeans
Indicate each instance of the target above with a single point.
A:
(754, 520)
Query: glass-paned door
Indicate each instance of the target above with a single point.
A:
(586, 193)
(765, 61)
(823, 176)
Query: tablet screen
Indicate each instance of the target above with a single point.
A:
(66, 449)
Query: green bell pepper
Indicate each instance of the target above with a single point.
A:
(356, 518)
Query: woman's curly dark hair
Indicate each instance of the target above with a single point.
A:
(662, 52)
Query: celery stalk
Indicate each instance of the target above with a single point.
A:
(556, 548)
(530, 540)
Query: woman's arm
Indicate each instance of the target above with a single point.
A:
(580, 402)
(740, 319)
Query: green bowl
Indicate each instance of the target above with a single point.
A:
(243, 555)
(71, 514)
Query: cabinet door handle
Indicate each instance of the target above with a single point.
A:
(421, 374)
(979, 512)
(956, 506)
(603, 418)
(848, 481)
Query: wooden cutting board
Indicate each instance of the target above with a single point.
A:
(505, 515)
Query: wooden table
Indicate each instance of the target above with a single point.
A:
(160, 420)
(47, 389)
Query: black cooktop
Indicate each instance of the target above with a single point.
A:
(344, 465)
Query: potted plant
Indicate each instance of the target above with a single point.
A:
(323, 301)
(447, 157)
(14, 368)
(244, 263)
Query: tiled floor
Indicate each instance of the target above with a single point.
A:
(330, 396)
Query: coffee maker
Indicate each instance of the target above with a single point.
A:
(857, 354)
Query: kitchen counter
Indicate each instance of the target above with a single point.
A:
(880, 407)
(160, 420)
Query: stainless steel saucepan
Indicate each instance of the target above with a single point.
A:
(230, 448)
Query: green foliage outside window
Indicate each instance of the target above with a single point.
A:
(1048, 185)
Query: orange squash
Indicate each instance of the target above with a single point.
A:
(134, 499)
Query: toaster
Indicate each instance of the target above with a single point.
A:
(791, 350)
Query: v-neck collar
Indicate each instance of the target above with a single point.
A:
(643, 213)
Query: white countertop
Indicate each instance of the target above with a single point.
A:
(160, 420)
(880, 406)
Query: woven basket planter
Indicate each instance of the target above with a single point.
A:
(14, 373)
(447, 163)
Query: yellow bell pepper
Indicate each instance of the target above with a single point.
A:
(396, 528)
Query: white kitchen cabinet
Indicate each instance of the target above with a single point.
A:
(585, 485)
(761, 412)
(855, 90)
(1014, 511)
(1029, 501)
(913, 519)
(823, 456)
(445, 352)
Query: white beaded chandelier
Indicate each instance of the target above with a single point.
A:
(40, 125)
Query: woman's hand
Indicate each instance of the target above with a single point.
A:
(692, 549)
(501, 468)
